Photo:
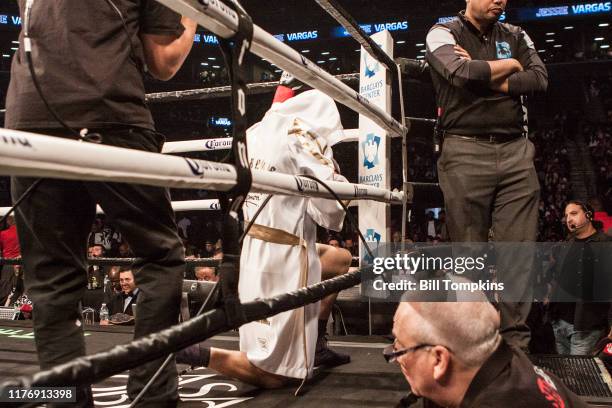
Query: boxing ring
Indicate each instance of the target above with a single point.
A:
(31, 155)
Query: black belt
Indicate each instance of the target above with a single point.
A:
(490, 138)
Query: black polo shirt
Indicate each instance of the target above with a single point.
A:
(90, 71)
(509, 379)
(469, 106)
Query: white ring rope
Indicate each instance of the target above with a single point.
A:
(177, 206)
(225, 143)
(223, 21)
(33, 155)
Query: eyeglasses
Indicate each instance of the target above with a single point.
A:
(391, 355)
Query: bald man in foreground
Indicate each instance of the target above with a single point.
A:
(452, 355)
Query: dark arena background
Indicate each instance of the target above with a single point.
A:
(570, 125)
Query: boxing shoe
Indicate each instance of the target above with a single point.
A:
(324, 356)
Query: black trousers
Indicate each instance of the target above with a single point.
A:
(7, 280)
(53, 224)
(495, 186)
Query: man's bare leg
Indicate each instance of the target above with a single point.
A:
(231, 363)
(236, 365)
(334, 262)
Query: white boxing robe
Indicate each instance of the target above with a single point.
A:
(294, 137)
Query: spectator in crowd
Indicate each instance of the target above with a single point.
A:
(218, 253)
(350, 246)
(580, 315)
(95, 273)
(16, 287)
(9, 248)
(430, 225)
(206, 273)
(124, 250)
(209, 249)
(452, 354)
(553, 169)
(334, 241)
(122, 302)
(183, 227)
(97, 251)
(601, 215)
(95, 236)
(112, 285)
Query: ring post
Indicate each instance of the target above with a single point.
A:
(375, 149)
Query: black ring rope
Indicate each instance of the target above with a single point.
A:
(94, 368)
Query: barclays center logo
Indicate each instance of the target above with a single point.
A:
(371, 65)
(370, 149)
(372, 236)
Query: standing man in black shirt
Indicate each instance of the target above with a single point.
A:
(482, 70)
(580, 288)
(90, 58)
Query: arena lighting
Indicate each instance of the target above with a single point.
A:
(558, 46)
(568, 27)
(604, 25)
(216, 66)
(320, 62)
(305, 51)
(212, 58)
(401, 42)
(204, 63)
(550, 40)
(333, 59)
(599, 39)
(550, 33)
(419, 45)
(605, 46)
(325, 53)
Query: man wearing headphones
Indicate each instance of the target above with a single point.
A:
(581, 288)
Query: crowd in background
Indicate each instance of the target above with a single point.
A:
(599, 138)
(553, 168)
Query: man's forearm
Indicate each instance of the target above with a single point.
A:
(502, 69)
(502, 86)
(165, 54)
